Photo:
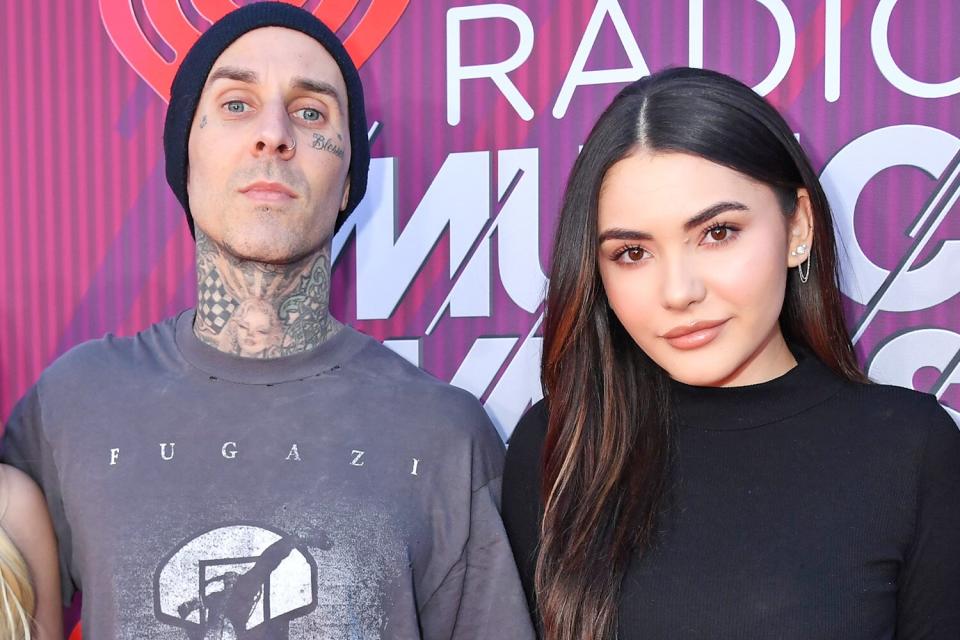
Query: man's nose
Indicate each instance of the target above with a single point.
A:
(275, 134)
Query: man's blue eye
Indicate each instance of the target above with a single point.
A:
(236, 106)
(310, 115)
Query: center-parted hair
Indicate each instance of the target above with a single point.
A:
(606, 459)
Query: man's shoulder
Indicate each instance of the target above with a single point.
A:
(388, 367)
(391, 376)
(110, 355)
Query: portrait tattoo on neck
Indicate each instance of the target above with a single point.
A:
(260, 310)
(323, 143)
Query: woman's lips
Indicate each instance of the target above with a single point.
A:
(694, 336)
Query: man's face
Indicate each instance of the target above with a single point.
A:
(269, 148)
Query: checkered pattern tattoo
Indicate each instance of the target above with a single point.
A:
(216, 305)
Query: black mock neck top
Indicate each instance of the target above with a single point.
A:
(805, 507)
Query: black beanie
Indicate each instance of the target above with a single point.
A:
(192, 76)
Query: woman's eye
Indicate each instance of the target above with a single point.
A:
(310, 115)
(719, 233)
(630, 255)
(235, 106)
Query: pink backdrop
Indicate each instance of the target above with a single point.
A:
(445, 258)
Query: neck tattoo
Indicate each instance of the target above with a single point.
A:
(259, 310)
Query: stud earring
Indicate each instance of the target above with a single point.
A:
(799, 251)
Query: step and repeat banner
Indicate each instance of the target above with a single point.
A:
(477, 111)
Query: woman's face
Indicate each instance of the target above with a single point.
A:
(694, 258)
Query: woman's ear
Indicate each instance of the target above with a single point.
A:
(800, 230)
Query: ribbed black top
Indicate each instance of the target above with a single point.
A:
(804, 507)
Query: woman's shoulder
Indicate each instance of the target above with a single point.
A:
(22, 505)
(521, 472)
(528, 436)
(885, 403)
(910, 421)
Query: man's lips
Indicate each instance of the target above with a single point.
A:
(269, 191)
(692, 336)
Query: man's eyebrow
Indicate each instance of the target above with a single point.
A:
(233, 73)
(712, 212)
(318, 86)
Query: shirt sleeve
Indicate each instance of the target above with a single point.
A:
(928, 600)
(25, 446)
(481, 595)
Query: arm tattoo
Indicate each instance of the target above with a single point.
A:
(260, 310)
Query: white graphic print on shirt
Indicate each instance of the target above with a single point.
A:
(236, 582)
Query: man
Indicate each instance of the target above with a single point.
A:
(253, 468)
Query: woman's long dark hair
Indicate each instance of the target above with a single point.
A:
(609, 437)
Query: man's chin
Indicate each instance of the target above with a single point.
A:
(273, 250)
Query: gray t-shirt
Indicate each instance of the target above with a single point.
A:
(340, 493)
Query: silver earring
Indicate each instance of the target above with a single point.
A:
(804, 276)
(799, 251)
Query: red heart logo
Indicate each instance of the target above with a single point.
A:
(167, 19)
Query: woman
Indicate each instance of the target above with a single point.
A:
(29, 578)
(709, 461)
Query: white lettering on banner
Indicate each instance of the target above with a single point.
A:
(513, 392)
(899, 359)
(788, 46)
(785, 28)
(407, 348)
(833, 23)
(517, 388)
(845, 177)
(163, 450)
(518, 228)
(577, 76)
(387, 263)
(457, 200)
(695, 34)
(880, 43)
(481, 364)
(518, 231)
(114, 456)
(457, 72)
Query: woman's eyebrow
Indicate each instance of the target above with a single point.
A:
(711, 212)
(623, 234)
